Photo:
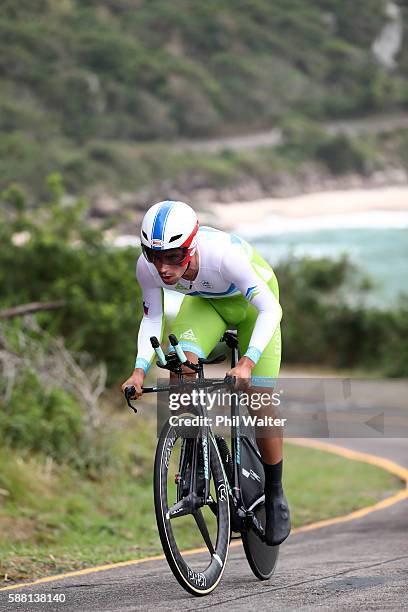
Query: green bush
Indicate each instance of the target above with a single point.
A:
(302, 138)
(394, 348)
(342, 154)
(64, 258)
(39, 419)
(326, 321)
(51, 403)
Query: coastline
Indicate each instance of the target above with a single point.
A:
(309, 206)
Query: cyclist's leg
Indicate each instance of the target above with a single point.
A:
(264, 376)
(269, 438)
(198, 327)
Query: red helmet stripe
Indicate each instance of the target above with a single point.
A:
(189, 240)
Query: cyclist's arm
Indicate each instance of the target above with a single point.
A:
(237, 268)
(152, 321)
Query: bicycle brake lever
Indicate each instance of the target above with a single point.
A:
(230, 380)
(129, 392)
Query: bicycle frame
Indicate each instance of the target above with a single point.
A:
(242, 517)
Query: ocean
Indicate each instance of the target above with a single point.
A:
(376, 241)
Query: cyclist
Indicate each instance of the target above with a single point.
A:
(225, 282)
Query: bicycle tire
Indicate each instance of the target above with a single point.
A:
(203, 582)
(262, 558)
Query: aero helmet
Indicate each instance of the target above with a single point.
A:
(169, 225)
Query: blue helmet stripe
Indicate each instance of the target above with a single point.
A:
(154, 223)
(160, 220)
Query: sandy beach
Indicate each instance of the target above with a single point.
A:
(328, 203)
(309, 211)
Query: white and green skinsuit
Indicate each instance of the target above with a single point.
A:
(234, 287)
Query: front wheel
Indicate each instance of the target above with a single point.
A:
(179, 527)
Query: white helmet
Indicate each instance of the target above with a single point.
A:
(169, 225)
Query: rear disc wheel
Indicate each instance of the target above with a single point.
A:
(261, 557)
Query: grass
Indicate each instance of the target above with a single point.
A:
(322, 485)
(53, 521)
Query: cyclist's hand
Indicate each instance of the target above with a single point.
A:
(135, 380)
(242, 372)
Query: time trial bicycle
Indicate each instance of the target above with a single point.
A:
(200, 483)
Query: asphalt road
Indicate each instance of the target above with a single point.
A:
(360, 564)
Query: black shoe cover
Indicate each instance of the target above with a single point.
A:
(277, 526)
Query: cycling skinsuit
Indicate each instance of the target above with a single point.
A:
(234, 287)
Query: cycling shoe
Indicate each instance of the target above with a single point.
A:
(277, 527)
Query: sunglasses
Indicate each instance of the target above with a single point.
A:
(171, 257)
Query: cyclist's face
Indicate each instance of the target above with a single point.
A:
(168, 263)
(169, 274)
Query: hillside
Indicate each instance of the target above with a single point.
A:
(82, 79)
